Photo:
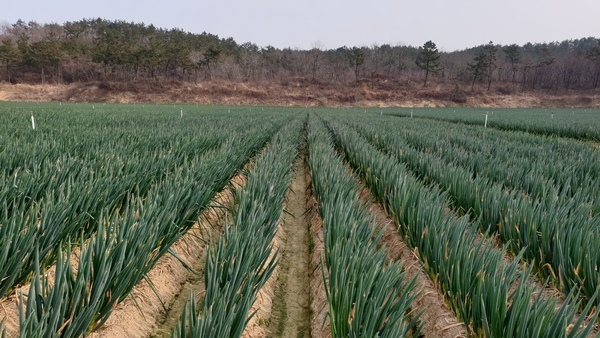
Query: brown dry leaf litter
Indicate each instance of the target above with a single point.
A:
(278, 93)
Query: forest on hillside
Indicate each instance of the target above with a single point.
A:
(97, 50)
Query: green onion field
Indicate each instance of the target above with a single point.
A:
(105, 209)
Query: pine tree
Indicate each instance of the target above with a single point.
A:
(484, 64)
(429, 59)
(513, 53)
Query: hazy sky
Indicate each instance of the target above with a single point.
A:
(451, 24)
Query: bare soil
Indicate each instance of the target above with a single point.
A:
(291, 312)
(319, 320)
(300, 92)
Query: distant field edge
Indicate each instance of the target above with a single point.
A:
(290, 93)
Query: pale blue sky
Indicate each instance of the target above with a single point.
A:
(451, 24)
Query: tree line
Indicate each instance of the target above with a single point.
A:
(102, 50)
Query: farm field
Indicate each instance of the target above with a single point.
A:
(216, 221)
(573, 123)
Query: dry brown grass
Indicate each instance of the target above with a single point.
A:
(378, 92)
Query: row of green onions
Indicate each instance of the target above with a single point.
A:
(242, 260)
(577, 124)
(128, 242)
(540, 166)
(493, 297)
(556, 234)
(367, 297)
(63, 187)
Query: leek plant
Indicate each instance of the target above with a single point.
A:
(128, 241)
(69, 187)
(561, 167)
(242, 260)
(555, 233)
(477, 282)
(367, 297)
(572, 123)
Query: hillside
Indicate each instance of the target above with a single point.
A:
(299, 92)
(118, 61)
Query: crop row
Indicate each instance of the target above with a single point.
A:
(537, 165)
(240, 263)
(127, 241)
(367, 297)
(57, 184)
(556, 233)
(572, 123)
(493, 297)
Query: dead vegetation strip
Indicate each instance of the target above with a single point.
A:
(296, 92)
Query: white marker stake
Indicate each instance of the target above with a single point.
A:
(182, 113)
(411, 114)
(485, 124)
(32, 121)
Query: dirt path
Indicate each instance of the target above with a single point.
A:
(319, 322)
(291, 313)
